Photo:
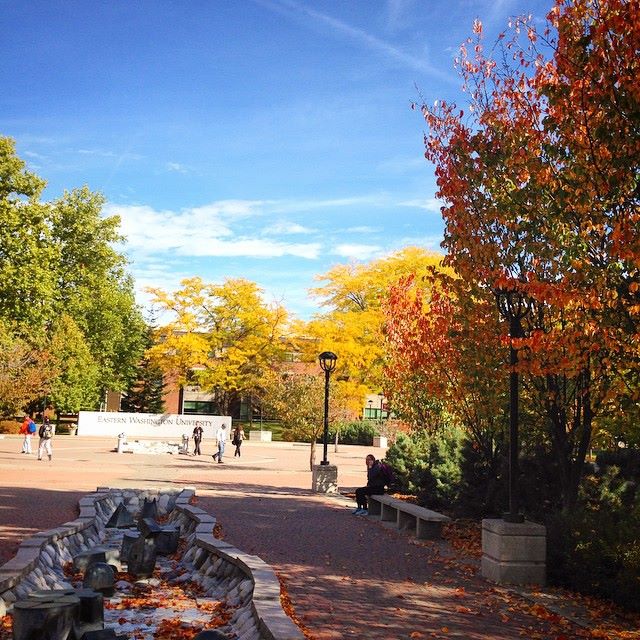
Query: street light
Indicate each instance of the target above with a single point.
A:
(370, 403)
(514, 307)
(327, 364)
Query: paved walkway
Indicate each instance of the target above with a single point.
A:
(346, 576)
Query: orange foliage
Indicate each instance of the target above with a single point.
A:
(287, 607)
(539, 180)
(443, 342)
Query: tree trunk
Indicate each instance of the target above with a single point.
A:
(312, 454)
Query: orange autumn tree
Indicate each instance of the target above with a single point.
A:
(443, 344)
(540, 184)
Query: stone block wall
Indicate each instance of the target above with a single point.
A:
(225, 573)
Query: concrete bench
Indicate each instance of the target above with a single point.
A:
(424, 523)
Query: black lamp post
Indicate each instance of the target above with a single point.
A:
(514, 307)
(327, 364)
(370, 403)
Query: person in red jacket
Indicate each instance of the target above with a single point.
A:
(27, 430)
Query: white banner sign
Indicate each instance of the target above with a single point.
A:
(147, 425)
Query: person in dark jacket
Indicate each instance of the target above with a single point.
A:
(197, 438)
(375, 485)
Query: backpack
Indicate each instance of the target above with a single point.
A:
(31, 427)
(46, 432)
(387, 473)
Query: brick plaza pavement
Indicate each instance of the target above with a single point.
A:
(346, 577)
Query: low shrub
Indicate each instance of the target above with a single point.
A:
(428, 464)
(627, 461)
(356, 432)
(483, 490)
(10, 426)
(595, 549)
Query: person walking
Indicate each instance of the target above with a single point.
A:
(197, 438)
(46, 435)
(375, 485)
(238, 437)
(27, 429)
(221, 437)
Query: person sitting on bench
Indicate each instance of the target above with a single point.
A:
(375, 485)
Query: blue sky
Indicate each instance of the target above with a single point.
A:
(264, 139)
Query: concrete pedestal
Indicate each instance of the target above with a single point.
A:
(324, 478)
(514, 553)
(260, 436)
(380, 442)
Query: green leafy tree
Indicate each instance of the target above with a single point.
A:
(27, 280)
(146, 393)
(59, 259)
(75, 386)
(297, 401)
(94, 288)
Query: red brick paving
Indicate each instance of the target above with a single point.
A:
(346, 576)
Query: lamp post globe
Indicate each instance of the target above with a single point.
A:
(327, 361)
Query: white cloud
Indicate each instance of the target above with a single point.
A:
(34, 155)
(363, 229)
(285, 228)
(200, 231)
(428, 204)
(428, 242)
(356, 251)
(176, 167)
(287, 206)
(97, 152)
(252, 248)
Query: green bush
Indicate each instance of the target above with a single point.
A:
(483, 488)
(429, 465)
(357, 432)
(627, 461)
(596, 548)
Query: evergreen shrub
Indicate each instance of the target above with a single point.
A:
(355, 432)
(428, 464)
(595, 548)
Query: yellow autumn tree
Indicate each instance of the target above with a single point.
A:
(223, 337)
(352, 326)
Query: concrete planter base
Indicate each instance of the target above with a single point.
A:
(380, 442)
(324, 478)
(260, 436)
(514, 553)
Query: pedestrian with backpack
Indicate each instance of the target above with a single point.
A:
(46, 435)
(27, 429)
(376, 481)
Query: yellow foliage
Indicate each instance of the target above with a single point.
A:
(223, 335)
(353, 327)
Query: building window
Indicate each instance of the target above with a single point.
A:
(199, 407)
